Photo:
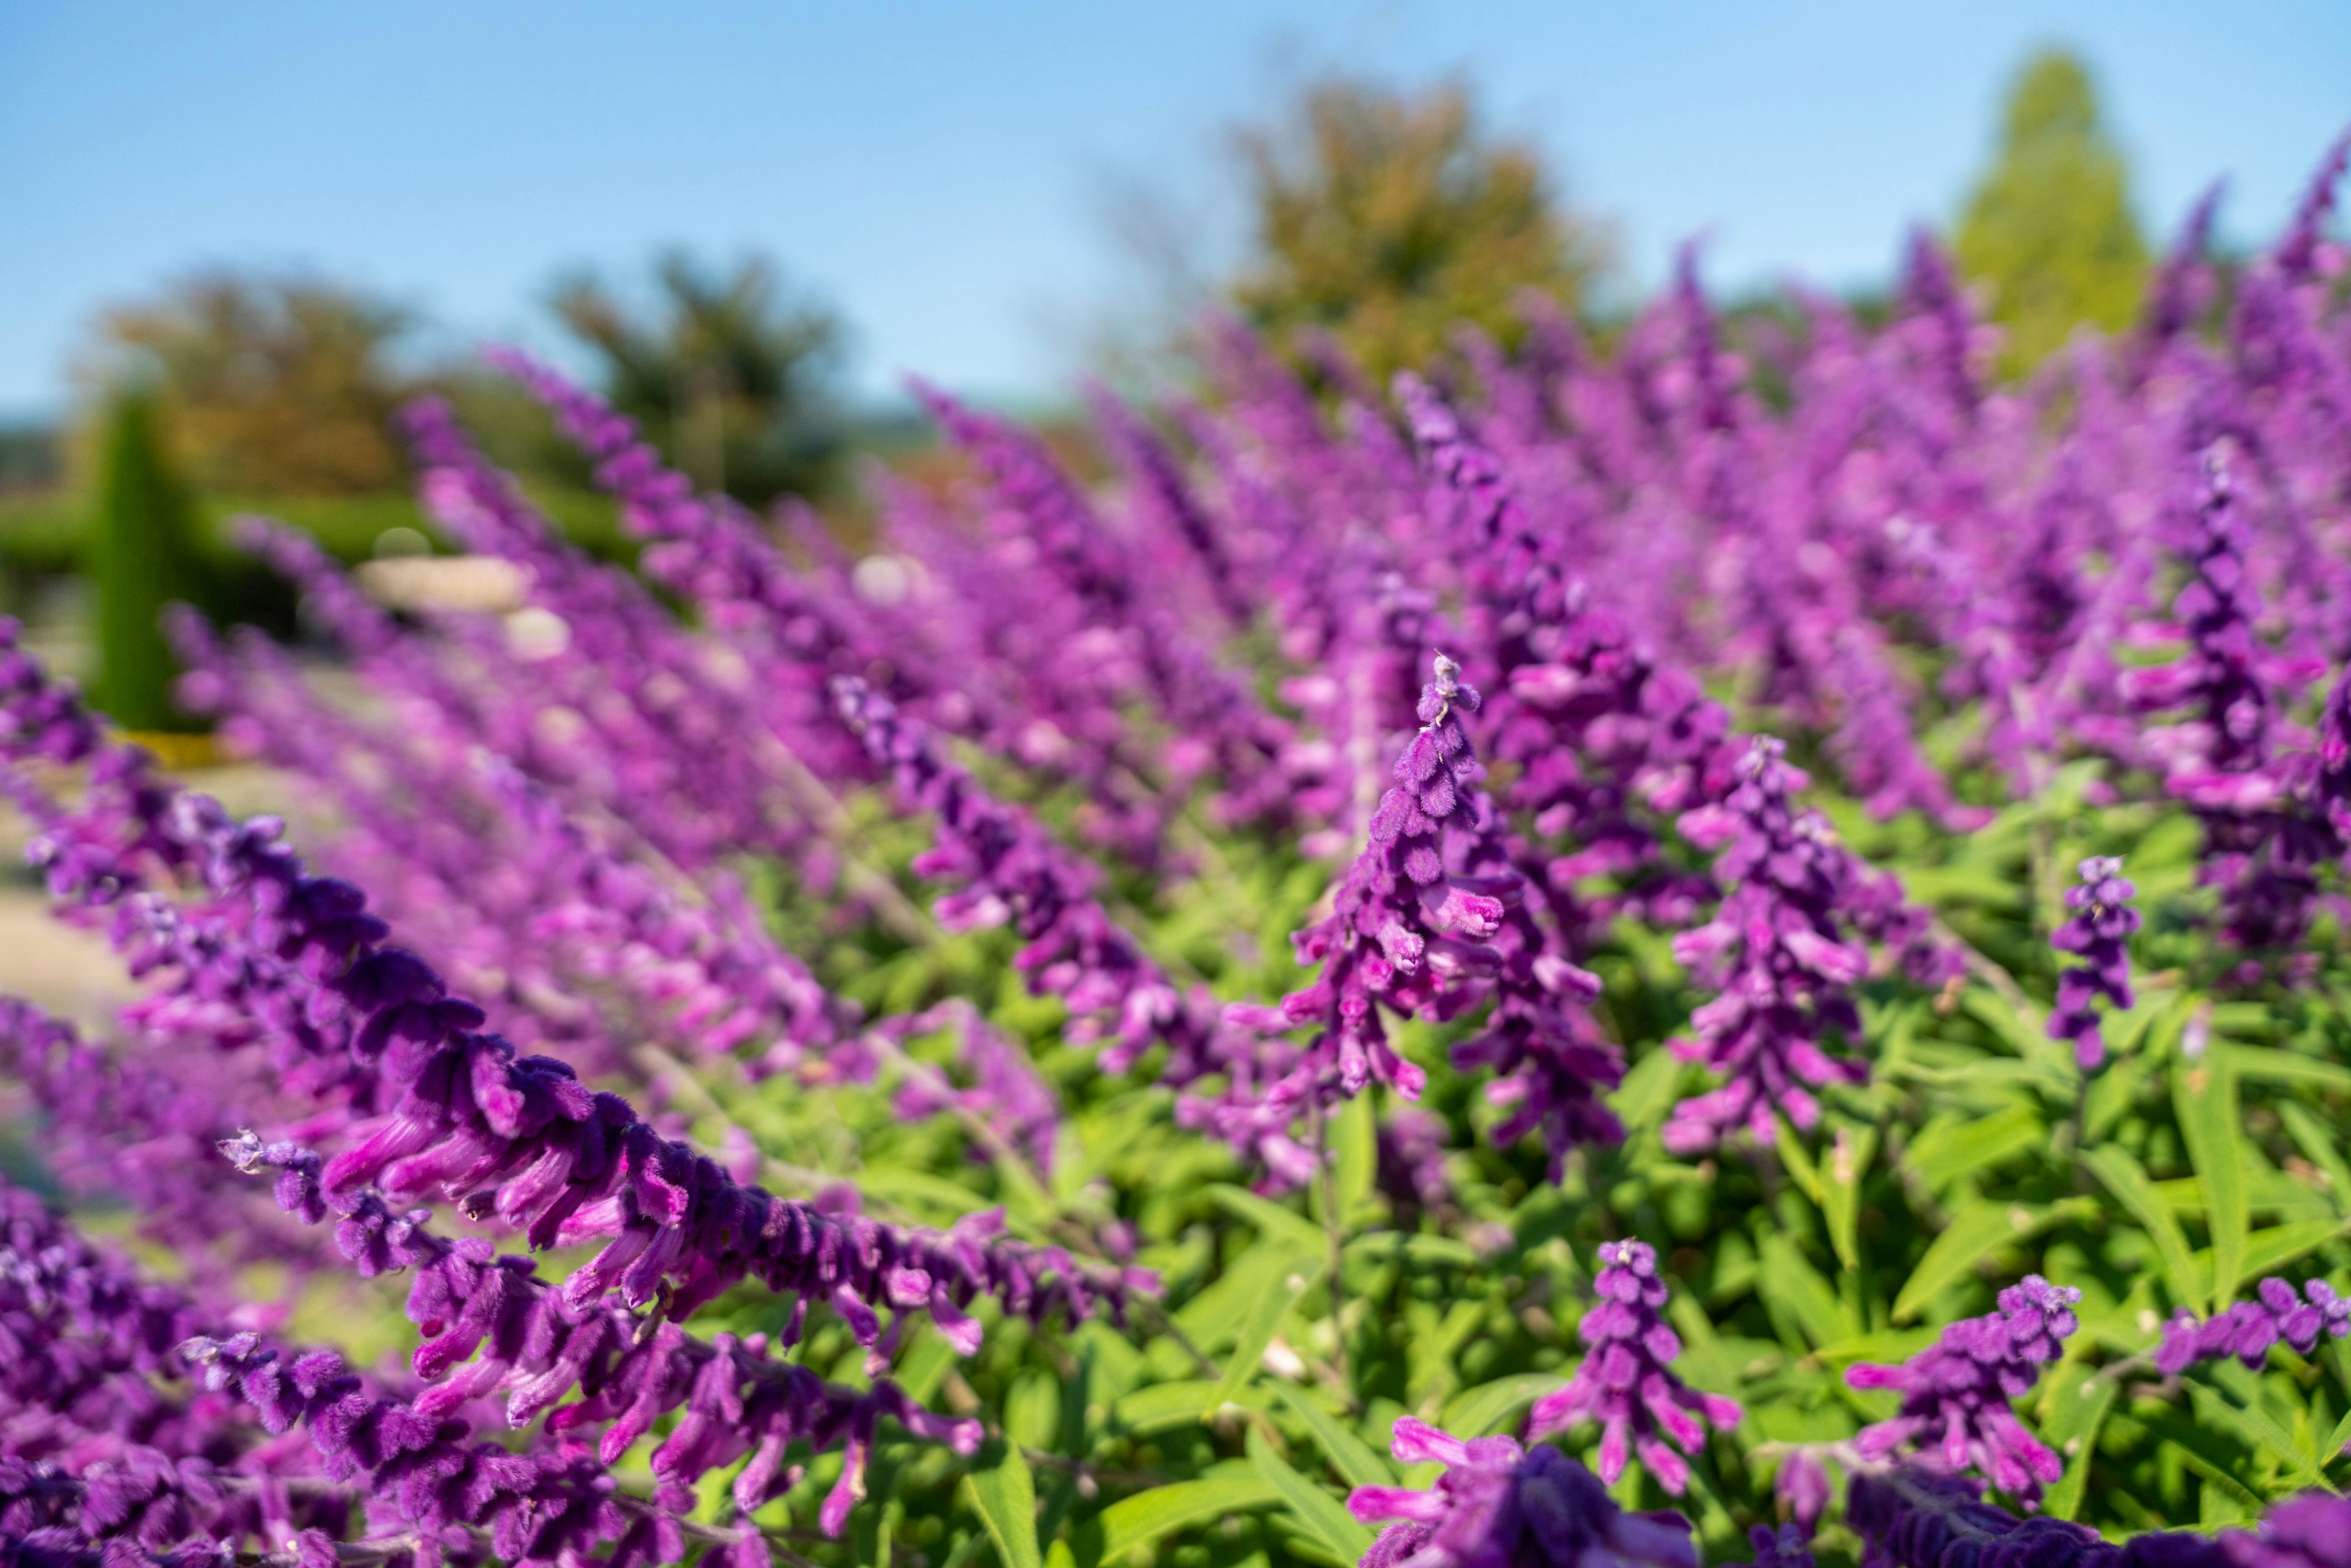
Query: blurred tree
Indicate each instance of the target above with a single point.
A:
(142, 555)
(1386, 217)
(2049, 231)
(729, 378)
(269, 386)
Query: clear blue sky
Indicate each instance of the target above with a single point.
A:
(937, 171)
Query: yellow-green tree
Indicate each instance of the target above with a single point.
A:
(2049, 232)
(270, 385)
(1386, 217)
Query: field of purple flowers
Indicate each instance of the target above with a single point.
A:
(1609, 955)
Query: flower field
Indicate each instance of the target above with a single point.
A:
(1718, 946)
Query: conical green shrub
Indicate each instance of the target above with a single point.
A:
(142, 555)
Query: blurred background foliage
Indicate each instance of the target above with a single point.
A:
(2049, 235)
(1387, 218)
(1380, 218)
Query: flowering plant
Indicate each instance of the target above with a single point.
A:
(1492, 958)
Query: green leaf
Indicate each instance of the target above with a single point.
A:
(2255, 1427)
(2279, 1245)
(2081, 1401)
(1326, 1519)
(1211, 1318)
(2316, 1141)
(1263, 1322)
(1640, 1102)
(1146, 1516)
(1952, 1146)
(1356, 1137)
(1974, 1233)
(1275, 1223)
(1789, 1282)
(1478, 1412)
(2204, 1096)
(2127, 1179)
(1348, 1453)
(1850, 1152)
(2285, 1067)
(1797, 1163)
(1007, 1499)
(1166, 1405)
(1414, 1247)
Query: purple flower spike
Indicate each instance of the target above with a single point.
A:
(2313, 1531)
(1916, 1519)
(1777, 953)
(1955, 1406)
(1625, 1383)
(1499, 1506)
(2102, 920)
(2246, 1330)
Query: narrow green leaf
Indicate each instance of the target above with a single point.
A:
(2279, 1245)
(1412, 1247)
(1146, 1516)
(1349, 1455)
(1007, 1499)
(1264, 1321)
(1211, 1318)
(1951, 1146)
(1850, 1151)
(1355, 1135)
(1325, 1519)
(1640, 1102)
(2127, 1179)
(2081, 1403)
(2266, 1066)
(1166, 1405)
(1789, 1282)
(2316, 1141)
(1973, 1234)
(2336, 1439)
(2204, 1096)
(1274, 1222)
(1478, 1412)
(1798, 1163)
(2256, 1427)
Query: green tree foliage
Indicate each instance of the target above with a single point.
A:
(731, 378)
(144, 555)
(2048, 230)
(273, 386)
(1386, 217)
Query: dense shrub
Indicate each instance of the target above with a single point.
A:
(1497, 959)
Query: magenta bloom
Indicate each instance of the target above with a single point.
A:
(1778, 952)
(1502, 1506)
(1627, 1383)
(2097, 932)
(1954, 1393)
(2246, 1330)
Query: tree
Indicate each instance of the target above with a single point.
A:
(729, 376)
(143, 556)
(2049, 231)
(1386, 217)
(272, 386)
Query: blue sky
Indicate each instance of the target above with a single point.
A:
(939, 171)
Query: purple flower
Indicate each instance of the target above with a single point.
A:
(2096, 933)
(2312, 1531)
(1915, 1519)
(1954, 1393)
(1625, 1382)
(2246, 1330)
(1776, 954)
(1501, 1506)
